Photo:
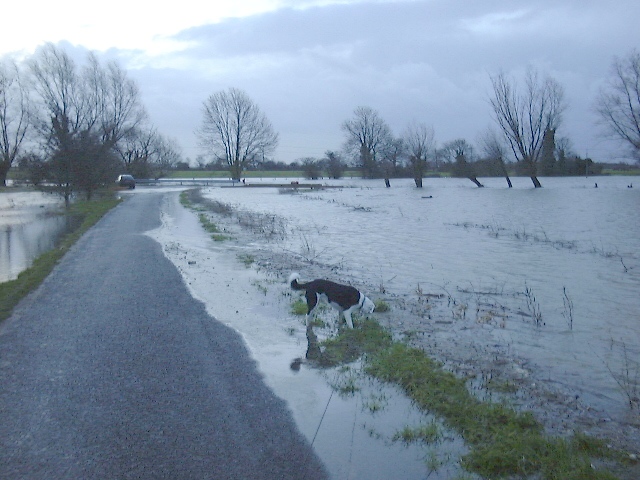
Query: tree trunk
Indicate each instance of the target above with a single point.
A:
(475, 180)
(418, 181)
(503, 168)
(536, 182)
(4, 170)
(387, 183)
(236, 171)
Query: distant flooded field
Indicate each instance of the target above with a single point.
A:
(563, 260)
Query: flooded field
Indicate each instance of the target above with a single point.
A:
(542, 282)
(564, 260)
(30, 224)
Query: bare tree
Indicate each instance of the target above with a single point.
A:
(310, 167)
(335, 166)
(15, 116)
(367, 134)
(84, 115)
(113, 101)
(525, 116)
(167, 155)
(462, 152)
(392, 153)
(62, 113)
(234, 128)
(137, 150)
(419, 140)
(618, 104)
(496, 150)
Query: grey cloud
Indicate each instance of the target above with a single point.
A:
(425, 60)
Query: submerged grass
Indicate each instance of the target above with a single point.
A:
(88, 212)
(192, 199)
(503, 442)
(212, 228)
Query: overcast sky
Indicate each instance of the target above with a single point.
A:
(309, 63)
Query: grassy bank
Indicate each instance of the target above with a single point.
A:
(503, 443)
(88, 213)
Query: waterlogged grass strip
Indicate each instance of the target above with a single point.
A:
(502, 441)
(207, 224)
(13, 291)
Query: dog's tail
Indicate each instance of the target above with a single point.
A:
(293, 281)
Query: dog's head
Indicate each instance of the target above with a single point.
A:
(367, 306)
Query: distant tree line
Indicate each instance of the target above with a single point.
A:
(74, 127)
(527, 114)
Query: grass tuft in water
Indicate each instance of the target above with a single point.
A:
(381, 306)
(424, 433)
(299, 307)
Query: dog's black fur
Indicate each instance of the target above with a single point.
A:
(344, 298)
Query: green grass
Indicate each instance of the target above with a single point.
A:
(207, 224)
(381, 306)
(13, 291)
(247, 259)
(299, 307)
(424, 433)
(503, 443)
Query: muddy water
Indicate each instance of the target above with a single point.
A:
(521, 248)
(30, 224)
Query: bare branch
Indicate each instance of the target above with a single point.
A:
(525, 116)
(618, 104)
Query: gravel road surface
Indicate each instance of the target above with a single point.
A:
(112, 370)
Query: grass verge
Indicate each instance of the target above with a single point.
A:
(88, 212)
(503, 443)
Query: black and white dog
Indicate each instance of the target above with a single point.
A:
(344, 298)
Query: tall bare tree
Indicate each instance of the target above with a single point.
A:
(419, 140)
(15, 116)
(495, 149)
(62, 113)
(525, 115)
(83, 116)
(618, 104)
(234, 129)
(367, 134)
(115, 110)
(392, 153)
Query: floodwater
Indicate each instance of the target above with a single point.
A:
(30, 224)
(574, 248)
(349, 418)
(566, 257)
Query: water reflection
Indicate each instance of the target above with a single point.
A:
(27, 232)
